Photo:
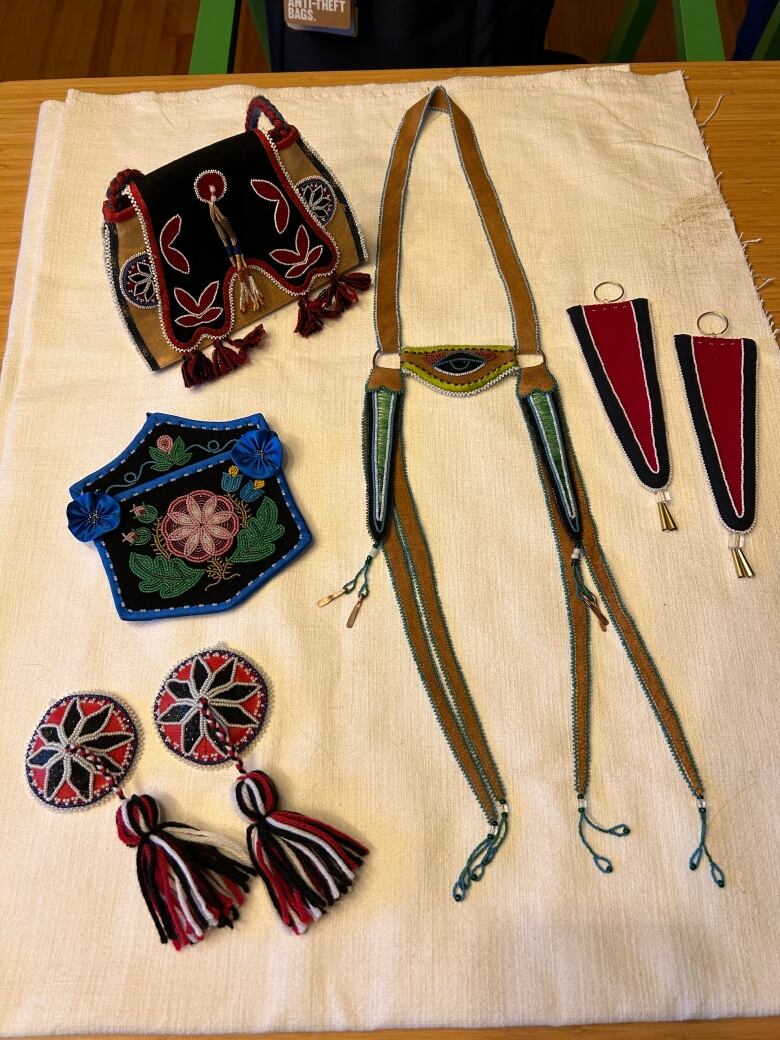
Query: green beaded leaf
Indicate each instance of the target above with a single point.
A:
(162, 460)
(142, 536)
(165, 460)
(258, 539)
(167, 578)
(148, 516)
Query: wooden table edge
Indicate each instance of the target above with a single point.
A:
(35, 92)
(690, 1029)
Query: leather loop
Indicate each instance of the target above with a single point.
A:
(388, 254)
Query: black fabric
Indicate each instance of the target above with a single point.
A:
(140, 466)
(259, 227)
(159, 498)
(709, 452)
(655, 481)
(407, 34)
(752, 28)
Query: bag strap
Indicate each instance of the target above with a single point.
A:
(261, 106)
(387, 316)
(116, 202)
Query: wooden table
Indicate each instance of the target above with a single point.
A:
(744, 143)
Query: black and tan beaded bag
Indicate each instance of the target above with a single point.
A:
(214, 241)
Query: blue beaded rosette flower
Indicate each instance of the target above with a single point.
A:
(92, 514)
(258, 454)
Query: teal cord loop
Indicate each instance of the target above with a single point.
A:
(583, 592)
(362, 573)
(620, 830)
(701, 850)
(363, 590)
(482, 856)
(351, 585)
(463, 884)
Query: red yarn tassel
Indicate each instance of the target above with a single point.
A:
(341, 292)
(309, 317)
(225, 360)
(190, 880)
(196, 368)
(250, 340)
(306, 865)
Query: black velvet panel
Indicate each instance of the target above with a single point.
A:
(183, 444)
(233, 536)
(275, 231)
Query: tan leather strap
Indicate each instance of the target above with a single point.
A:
(388, 323)
(638, 654)
(409, 559)
(643, 663)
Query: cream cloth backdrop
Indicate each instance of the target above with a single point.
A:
(602, 174)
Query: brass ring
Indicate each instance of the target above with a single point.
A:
(715, 314)
(615, 299)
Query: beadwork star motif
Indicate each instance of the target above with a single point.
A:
(137, 281)
(141, 281)
(81, 748)
(213, 688)
(319, 197)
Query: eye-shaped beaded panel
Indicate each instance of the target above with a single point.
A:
(459, 370)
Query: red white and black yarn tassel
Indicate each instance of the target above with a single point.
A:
(306, 865)
(190, 880)
(229, 354)
(340, 293)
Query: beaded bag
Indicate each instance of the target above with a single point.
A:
(212, 242)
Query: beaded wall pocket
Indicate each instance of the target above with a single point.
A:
(215, 240)
(192, 517)
(396, 528)
(209, 710)
(80, 753)
(616, 337)
(720, 384)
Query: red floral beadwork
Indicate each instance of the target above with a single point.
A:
(200, 526)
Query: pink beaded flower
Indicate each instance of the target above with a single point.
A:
(200, 526)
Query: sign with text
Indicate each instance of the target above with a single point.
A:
(335, 16)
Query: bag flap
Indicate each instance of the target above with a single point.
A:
(193, 265)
